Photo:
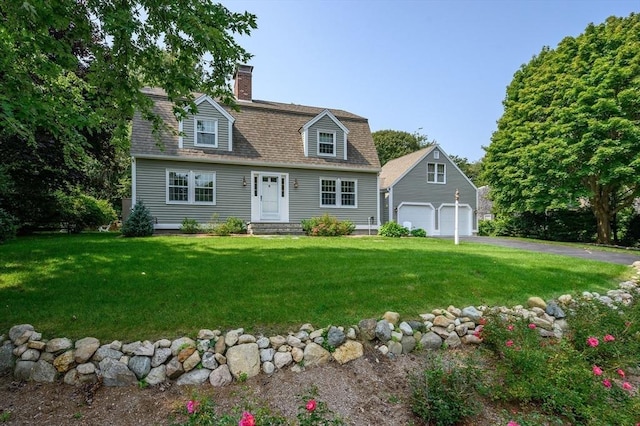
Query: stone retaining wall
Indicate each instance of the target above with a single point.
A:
(220, 358)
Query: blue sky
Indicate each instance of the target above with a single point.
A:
(436, 67)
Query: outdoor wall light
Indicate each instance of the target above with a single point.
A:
(295, 183)
(244, 181)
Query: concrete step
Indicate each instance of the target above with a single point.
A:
(274, 228)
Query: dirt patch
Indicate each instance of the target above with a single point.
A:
(372, 390)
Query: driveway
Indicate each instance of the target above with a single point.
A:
(585, 252)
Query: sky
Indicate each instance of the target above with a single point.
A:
(436, 67)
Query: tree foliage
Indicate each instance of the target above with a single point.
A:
(70, 78)
(570, 131)
(473, 170)
(392, 144)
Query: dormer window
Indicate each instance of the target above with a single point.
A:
(326, 143)
(206, 133)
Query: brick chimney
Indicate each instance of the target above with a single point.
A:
(242, 86)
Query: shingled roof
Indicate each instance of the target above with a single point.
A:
(264, 133)
(396, 168)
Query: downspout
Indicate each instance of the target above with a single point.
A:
(134, 198)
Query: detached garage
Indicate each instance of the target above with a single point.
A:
(419, 189)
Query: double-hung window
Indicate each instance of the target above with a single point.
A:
(206, 132)
(326, 143)
(436, 173)
(338, 192)
(191, 187)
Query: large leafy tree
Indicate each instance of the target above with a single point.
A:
(473, 170)
(70, 78)
(570, 132)
(392, 144)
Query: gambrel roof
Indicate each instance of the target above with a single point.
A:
(264, 133)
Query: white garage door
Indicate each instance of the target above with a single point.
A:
(420, 216)
(447, 220)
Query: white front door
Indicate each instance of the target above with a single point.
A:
(269, 199)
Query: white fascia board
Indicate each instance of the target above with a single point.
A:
(327, 113)
(222, 111)
(257, 163)
(180, 132)
(403, 174)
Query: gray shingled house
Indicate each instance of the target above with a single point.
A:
(270, 164)
(419, 189)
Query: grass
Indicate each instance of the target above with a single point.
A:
(115, 288)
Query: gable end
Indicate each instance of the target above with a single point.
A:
(309, 135)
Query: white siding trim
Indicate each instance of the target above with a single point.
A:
(338, 204)
(305, 142)
(335, 143)
(344, 142)
(181, 134)
(191, 187)
(391, 204)
(378, 209)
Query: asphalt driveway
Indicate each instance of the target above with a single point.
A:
(585, 252)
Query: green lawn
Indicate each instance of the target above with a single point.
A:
(115, 288)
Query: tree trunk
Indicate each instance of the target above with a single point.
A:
(602, 210)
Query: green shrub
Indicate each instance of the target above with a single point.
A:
(327, 226)
(393, 229)
(418, 232)
(236, 225)
(80, 211)
(486, 228)
(444, 393)
(190, 226)
(8, 226)
(632, 234)
(139, 223)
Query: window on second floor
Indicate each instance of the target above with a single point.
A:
(327, 143)
(436, 173)
(206, 133)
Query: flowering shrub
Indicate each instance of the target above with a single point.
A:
(327, 226)
(580, 379)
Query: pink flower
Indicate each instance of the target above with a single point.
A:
(247, 419)
(532, 326)
(627, 386)
(597, 370)
(311, 405)
(606, 383)
(620, 372)
(509, 343)
(192, 406)
(609, 338)
(593, 342)
(510, 327)
(512, 423)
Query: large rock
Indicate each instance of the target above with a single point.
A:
(282, 359)
(405, 328)
(453, 341)
(147, 348)
(106, 351)
(209, 360)
(315, 355)
(85, 348)
(408, 344)
(368, 328)
(140, 365)
(267, 354)
(431, 340)
(86, 368)
(23, 370)
(191, 362)
(194, 377)
(180, 344)
(472, 313)
(536, 302)
(244, 359)
(335, 336)
(174, 368)
(130, 348)
(156, 375)
(268, 368)
(383, 330)
(160, 356)
(391, 317)
(395, 348)
(349, 351)
(20, 334)
(442, 321)
(58, 345)
(6, 357)
(116, 373)
(43, 372)
(64, 362)
(221, 376)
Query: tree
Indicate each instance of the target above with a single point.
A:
(570, 131)
(70, 78)
(472, 170)
(392, 144)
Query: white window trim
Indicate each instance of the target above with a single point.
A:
(444, 173)
(335, 143)
(195, 132)
(191, 187)
(436, 155)
(338, 204)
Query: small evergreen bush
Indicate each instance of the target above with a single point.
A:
(327, 226)
(418, 232)
(8, 226)
(139, 223)
(393, 229)
(190, 226)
